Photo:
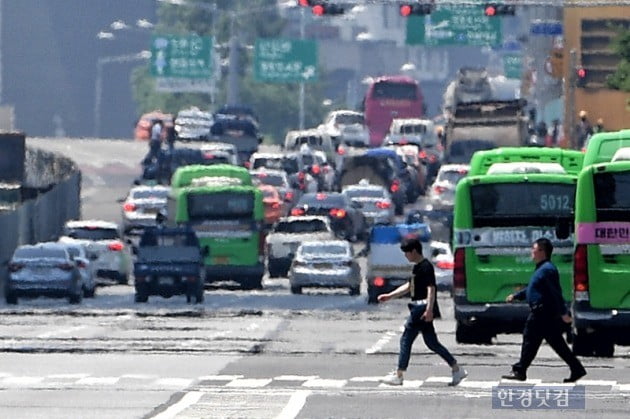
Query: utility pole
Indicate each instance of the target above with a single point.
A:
(233, 93)
(302, 92)
(570, 123)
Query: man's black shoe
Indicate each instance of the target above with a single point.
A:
(514, 375)
(575, 376)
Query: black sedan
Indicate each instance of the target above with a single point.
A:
(346, 218)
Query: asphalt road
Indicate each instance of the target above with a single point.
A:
(254, 354)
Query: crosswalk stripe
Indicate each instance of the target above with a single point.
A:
(249, 382)
(320, 382)
(98, 380)
(295, 377)
(23, 381)
(174, 382)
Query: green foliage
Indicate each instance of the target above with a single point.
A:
(620, 79)
(276, 104)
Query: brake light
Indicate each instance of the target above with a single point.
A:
(128, 207)
(439, 189)
(580, 273)
(422, 154)
(320, 196)
(208, 156)
(379, 281)
(66, 266)
(383, 204)
(247, 164)
(445, 264)
(459, 273)
(288, 196)
(315, 169)
(341, 151)
(116, 246)
(338, 212)
(275, 205)
(432, 158)
(261, 175)
(14, 267)
(297, 211)
(395, 186)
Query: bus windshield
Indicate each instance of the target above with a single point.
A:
(612, 199)
(499, 204)
(394, 90)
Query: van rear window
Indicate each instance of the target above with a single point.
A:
(612, 199)
(492, 203)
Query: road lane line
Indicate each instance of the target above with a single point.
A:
(295, 405)
(60, 332)
(382, 342)
(188, 400)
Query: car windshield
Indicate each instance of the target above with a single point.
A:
(162, 193)
(452, 176)
(301, 226)
(364, 193)
(268, 193)
(39, 252)
(267, 179)
(348, 119)
(323, 200)
(269, 163)
(92, 233)
(324, 249)
(308, 159)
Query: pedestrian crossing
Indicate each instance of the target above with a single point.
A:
(306, 382)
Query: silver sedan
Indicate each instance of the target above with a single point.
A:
(328, 264)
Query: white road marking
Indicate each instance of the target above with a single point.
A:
(381, 342)
(623, 387)
(438, 380)
(22, 381)
(295, 377)
(365, 379)
(98, 380)
(66, 376)
(188, 400)
(139, 376)
(320, 382)
(295, 405)
(478, 384)
(174, 382)
(66, 331)
(219, 377)
(596, 382)
(249, 382)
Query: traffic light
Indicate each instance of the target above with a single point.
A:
(580, 77)
(498, 9)
(321, 7)
(417, 9)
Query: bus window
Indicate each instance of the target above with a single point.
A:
(611, 196)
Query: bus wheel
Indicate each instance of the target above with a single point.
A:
(582, 343)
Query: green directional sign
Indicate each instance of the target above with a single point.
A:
(188, 56)
(454, 25)
(513, 66)
(280, 60)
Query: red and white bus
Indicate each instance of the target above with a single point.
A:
(390, 97)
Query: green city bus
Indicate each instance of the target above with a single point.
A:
(601, 269)
(228, 221)
(516, 196)
(184, 175)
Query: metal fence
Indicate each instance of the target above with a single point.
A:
(54, 185)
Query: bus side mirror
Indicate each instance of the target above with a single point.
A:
(563, 229)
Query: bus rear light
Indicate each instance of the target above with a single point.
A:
(116, 246)
(580, 272)
(379, 281)
(459, 272)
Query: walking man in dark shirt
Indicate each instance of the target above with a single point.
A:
(423, 309)
(548, 311)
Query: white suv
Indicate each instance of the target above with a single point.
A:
(110, 256)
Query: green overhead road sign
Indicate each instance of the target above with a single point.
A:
(285, 60)
(188, 57)
(513, 66)
(454, 25)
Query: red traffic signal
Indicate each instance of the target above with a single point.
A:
(581, 73)
(417, 9)
(321, 8)
(498, 9)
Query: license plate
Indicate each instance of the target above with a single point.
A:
(221, 260)
(322, 265)
(165, 281)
